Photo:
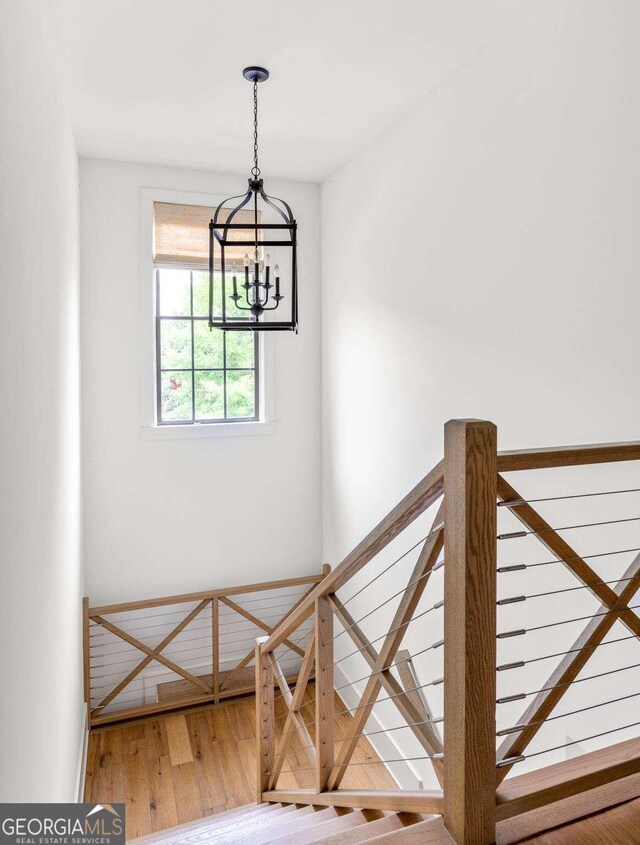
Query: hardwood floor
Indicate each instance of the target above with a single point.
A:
(174, 769)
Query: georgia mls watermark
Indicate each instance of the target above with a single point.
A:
(62, 824)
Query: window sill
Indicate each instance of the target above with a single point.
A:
(190, 432)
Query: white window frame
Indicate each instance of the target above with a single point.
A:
(266, 380)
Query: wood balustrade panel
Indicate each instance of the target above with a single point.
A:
(196, 687)
(406, 608)
(294, 703)
(561, 550)
(152, 654)
(426, 734)
(249, 656)
(567, 670)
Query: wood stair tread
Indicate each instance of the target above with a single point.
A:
(430, 832)
(361, 833)
(209, 822)
(264, 830)
(338, 823)
(242, 828)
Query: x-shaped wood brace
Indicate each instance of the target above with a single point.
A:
(616, 601)
(152, 654)
(268, 629)
(294, 702)
(380, 662)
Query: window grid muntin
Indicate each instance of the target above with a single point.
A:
(193, 369)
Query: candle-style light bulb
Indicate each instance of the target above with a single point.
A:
(246, 259)
(267, 260)
(276, 273)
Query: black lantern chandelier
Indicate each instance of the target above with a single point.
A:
(244, 291)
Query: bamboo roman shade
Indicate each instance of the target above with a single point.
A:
(181, 235)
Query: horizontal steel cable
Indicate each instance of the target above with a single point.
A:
(368, 763)
(513, 534)
(436, 606)
(516, 567)
(386, 601)
(135, 650)
(97, 643)
(513, 760)
(520, 663)
(507, 699)
(521, 631)
(131, 663)
(516, 502)
(373, 733)
(523, 727)
(387, 668)
(515, 599)
(433, 531)
(175, 642)
(224, 612)
(391, 631)
(238, 620)
(242, 602)
(350, 710)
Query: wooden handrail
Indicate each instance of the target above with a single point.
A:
(143, 604)
(568, 456)
(415, 503)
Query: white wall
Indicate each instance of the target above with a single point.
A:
(41, 711)
(171, 516)
(481, 259)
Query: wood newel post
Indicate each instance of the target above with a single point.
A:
(470, 631)
(324, 693)
(265, 713)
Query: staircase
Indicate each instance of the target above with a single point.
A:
(479, 736)
(291, 824)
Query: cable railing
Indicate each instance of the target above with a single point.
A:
(163, 654)
(423, 648)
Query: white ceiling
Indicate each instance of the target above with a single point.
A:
(160, 80)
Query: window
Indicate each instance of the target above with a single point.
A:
(202, 376)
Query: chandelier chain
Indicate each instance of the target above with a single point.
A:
(255, 170)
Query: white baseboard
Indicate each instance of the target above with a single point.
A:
(82, 762)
